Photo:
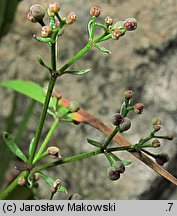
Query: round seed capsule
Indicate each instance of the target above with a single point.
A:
(130, 24)
(113, 174)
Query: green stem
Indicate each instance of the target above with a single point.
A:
(87, 47)
(161, 137)
(121, 148)
(80, 156)
(53, 56)
(70, 159)
(100, 37)
(134, 147)
(101, 25)
(75, 58)
(109, 139)
(4, 194)
(107, 37)
(124, 108)
(111, 161)
(144, 140)
(52, 22)
(42, 63)
(43, 155)
(93, 28)
(47, 138)
(60, 19)
(46, 104)
(114, 157)
(42, 118)
(67, 160)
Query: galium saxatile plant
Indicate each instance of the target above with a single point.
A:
(64, 110)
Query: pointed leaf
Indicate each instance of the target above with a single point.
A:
(27, 88)
(62, 189)
(48, 179)
(30, 146)
(51, 182)
(51, 113)
(13, 146)
(94, 143)
(90, 29)
(63, 110)
(123, 108)
(66, 119)
(77, 72)
(126, 163)
(42, 63)
(102, 49)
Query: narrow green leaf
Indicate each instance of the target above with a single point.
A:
(30, 146)
(66, 119)
(77, 72)
(94, 143)
(53, 103)
(36, 92)
(51, 113)
(48, 179)
(13, 146)
(62, 189)
(63, 110)
(102, 49)
(90, 29)
(125, 162)
(51, 182)
(42, 63)
(123, 108)
(27, 88)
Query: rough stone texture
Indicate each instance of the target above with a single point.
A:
(144, 61)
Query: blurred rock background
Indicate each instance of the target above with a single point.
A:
(143, 60)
